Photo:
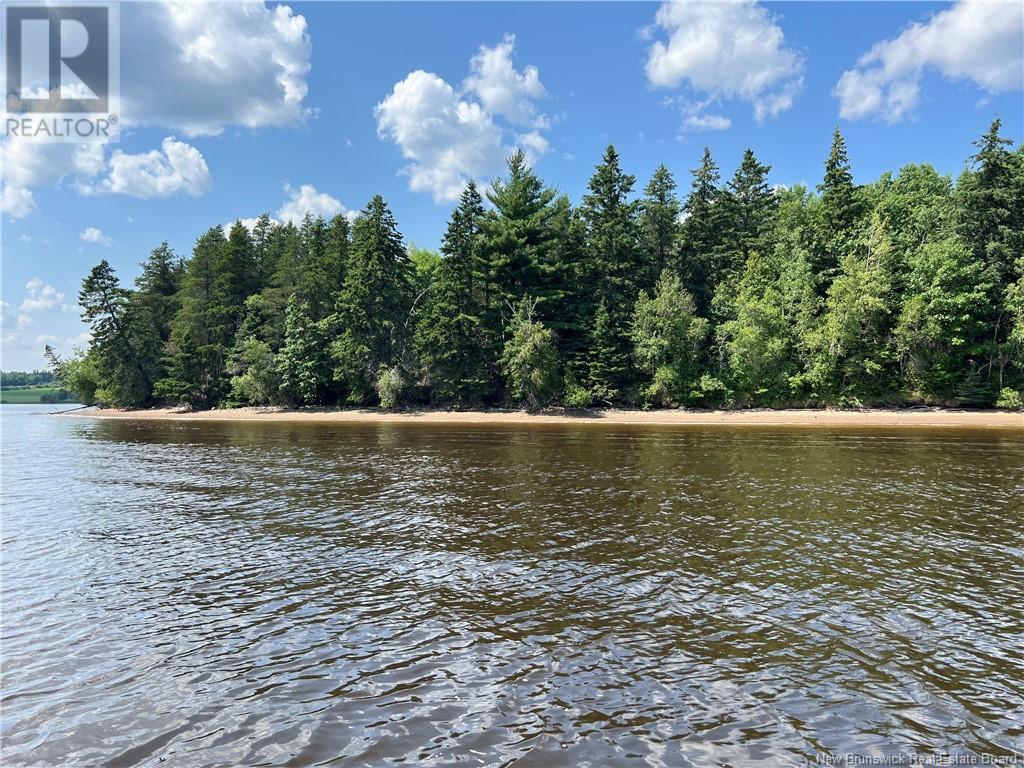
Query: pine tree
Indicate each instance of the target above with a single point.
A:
(203, 330)
(608, 362)
(516, 235)
(158, 286)
(125, 344)
(840, 208)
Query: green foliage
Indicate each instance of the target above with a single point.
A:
(1010, 399)
(389, 386)
(303, 362)
(530, 359)
(667, 335)
(941, 328)
(374, 306)
(908, 288)
(78, 374)
(853, 349)
(254, 376)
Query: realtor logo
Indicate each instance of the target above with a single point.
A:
(60, 71)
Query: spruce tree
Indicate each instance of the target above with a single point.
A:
(203, 330)
(302, 363)
(704, 234)
(611, 270)
(751, 205)
(659, 225)
(373, 308)
(450, 339)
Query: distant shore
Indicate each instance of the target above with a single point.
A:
(911, 417)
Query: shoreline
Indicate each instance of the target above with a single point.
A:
(873, 417)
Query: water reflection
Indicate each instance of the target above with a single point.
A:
(231, 593)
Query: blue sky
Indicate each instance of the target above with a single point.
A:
(234, 110)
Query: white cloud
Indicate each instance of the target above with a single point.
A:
(731, 50)
(201, 67)
(307, 199)
(94, 235)
(453, 136)
(501, 89)
(176, 167)
(299, 202)
(197, 68)
(28, 163)
(978, 41)
(40, 297)
(704, 122)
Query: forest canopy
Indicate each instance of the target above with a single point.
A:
(735, 293)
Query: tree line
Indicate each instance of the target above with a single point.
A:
(24, 378)
(908, 289)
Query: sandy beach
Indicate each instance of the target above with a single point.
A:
(917, 417)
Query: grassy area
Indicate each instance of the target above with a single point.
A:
(23, 395)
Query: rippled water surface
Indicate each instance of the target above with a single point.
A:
(273, 594)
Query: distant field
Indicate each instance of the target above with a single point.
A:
(23, 395)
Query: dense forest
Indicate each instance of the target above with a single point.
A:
(738, 293)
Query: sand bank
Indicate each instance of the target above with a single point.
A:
(915, 417)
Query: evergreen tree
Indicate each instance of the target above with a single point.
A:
(840, 208)
(302, 363)
(450, 338)
(125, 346)
(704, 234)
(659, 225)
(203, 330)
(516, 235)
(158, 286)
(611, 268)
(373, 309)
(750, 205)
(608, 362)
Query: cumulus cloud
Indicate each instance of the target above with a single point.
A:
(194, 68)
(201, 67)
(94, 235)
(732, 50)
(307, 199)
(299, 202)
(28, 163)
(501, 89)
(40, 297)
(175, 167)
(451, 136)
(977, 41)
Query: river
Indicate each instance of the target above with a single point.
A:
(218, 594)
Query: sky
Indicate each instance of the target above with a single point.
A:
(231, 110)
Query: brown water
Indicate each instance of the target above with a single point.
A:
(222, 594)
